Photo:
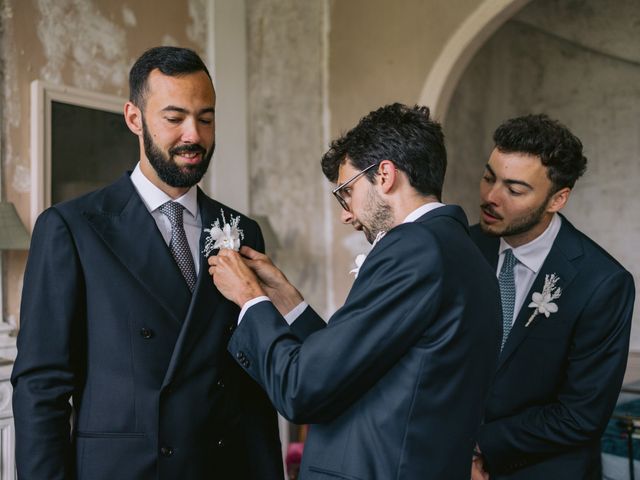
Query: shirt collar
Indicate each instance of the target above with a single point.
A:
(421, 210)
(533, 254)
(153, 197)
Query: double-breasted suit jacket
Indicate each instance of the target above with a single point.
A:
(108, 321)
(558, 379)
(394, 386)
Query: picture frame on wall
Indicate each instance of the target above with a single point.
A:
(79, 143)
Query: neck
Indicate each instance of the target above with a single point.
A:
(403, 206)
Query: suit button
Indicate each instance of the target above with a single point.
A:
(146, 333)
(220, 383)
(166, 451)
(246, 363)
(220, 443)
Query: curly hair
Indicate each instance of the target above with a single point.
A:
(407, 136)
(558, 149)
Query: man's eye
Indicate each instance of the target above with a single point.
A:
(206, 121)
(174, 119)
(488, 178)
(515, 193)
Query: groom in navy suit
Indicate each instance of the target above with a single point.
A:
(564, 353)
(122, 331)
(394, 384)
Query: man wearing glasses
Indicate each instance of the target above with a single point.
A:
(395, 382)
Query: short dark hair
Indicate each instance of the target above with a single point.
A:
(558, 149)
(407, 136)
(172, 61)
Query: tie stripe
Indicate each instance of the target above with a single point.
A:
(179, 246)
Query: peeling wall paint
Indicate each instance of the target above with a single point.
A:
(77, 29)
(129, 17)
(197, 30)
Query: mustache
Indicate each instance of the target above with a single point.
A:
(189, 148)
(485, 207)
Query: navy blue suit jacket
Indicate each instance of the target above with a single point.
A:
(108, 321)
(394, 385)
(558, 379)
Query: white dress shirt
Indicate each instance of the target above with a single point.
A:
(530, 258)
(301, 307)
(153, 198)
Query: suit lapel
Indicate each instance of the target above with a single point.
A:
(127, 228)
(206, 297)
(566, 248)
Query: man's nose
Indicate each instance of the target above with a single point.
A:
(190, 132)
(346, 216)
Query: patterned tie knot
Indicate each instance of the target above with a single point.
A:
(509, 261)
(173, 211)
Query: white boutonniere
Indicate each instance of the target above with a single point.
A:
(543, 302)
(223, 235)
(361, 258)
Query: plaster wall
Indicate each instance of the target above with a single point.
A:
(89, 44)
(580, 64)
(287, 75)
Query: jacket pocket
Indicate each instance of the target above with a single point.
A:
(317, 473)
(86, 434)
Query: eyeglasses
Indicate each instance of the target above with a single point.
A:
(343, 198)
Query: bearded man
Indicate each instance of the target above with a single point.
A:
(395, 383)
(120, 316)
(567, 309)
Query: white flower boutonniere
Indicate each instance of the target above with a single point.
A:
(227, 235)
(361, 258)
(543, 302)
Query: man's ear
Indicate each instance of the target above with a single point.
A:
(133, 118)
(388, 173)
(558, 200)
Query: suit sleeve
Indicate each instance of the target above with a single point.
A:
(44, 374)
(587, 396)
(394, 299)
(258, 419)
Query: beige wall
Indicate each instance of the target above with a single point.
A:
(82, 43)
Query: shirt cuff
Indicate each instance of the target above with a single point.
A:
(250, 303)
(293, 315)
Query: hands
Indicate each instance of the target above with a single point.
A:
(477, 467)
(249, 274)
(233, 278)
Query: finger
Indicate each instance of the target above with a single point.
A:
(251, 253)
(213, 260)
(212, 271)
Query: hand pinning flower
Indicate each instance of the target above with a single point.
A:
(361, 257)
(543, 302)
(226, 236)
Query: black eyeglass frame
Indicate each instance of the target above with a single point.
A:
(336, 191)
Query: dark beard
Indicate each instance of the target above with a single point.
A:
(378, 218)
(519, 226)
(168, 170)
